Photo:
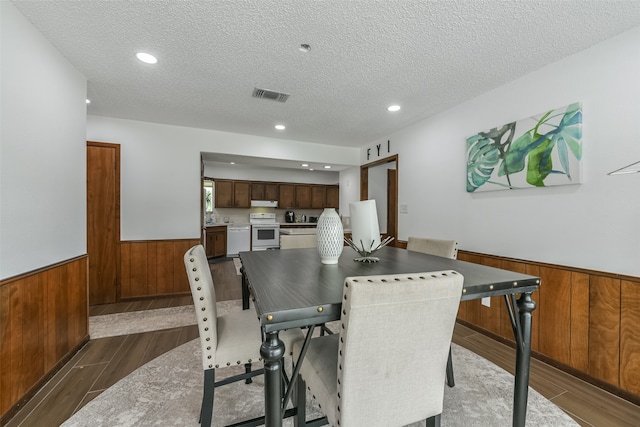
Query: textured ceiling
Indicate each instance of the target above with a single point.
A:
(425, 55)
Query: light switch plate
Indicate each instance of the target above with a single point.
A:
(486, 301)
(404, 209)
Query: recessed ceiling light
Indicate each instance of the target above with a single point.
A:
(232, 163)
(280, 127)
(304, 47)
(146, 58)
(327, 167)
(305, 165)
(310, 169)
(393, 108)
(88, 101)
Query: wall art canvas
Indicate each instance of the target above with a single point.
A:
(539, 151)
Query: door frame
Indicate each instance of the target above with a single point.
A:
(364, 187)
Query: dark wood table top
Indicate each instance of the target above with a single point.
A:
(292, 288)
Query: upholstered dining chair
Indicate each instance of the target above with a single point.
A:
(226, 340)
(446, 249)
(443, 248)
(386, 367)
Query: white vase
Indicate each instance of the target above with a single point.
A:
(330, 236)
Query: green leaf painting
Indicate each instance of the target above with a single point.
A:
(539, 151)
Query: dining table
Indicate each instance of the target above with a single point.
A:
(293, 289)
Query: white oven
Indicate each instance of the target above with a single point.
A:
(265, 231)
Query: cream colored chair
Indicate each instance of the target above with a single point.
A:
(387, 366)
(298, 241)
(443, 248)
(228, 340)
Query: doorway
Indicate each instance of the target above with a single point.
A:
(103, 222)
(383, 175)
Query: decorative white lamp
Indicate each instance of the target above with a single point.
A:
(365, 232)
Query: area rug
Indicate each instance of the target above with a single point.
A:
(135, 322)
(168, 390)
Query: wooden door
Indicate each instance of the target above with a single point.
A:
(392, 203)
(103, 221)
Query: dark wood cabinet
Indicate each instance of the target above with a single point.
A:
(241, 194)
(223, 193)
(333, 196)
(232, 194)
(303, 197)
(216, 241)
(286, 198)
(318, 196)
(264, 191)
(271, 191)
(257, 191)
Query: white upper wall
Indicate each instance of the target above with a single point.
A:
(42, 151)
(253, 173)
(160, 170)
(594, 225)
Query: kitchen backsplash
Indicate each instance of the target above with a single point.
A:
(241, 216)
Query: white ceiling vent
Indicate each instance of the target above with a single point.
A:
(270, 94)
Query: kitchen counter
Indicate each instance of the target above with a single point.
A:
(298, 224)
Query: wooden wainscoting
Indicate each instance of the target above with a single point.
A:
(154, 268)
(586, 322)
(43, 321)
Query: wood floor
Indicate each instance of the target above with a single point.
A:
(102, 362)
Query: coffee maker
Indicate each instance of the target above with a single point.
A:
(289, 216)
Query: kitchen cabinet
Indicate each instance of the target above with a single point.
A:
(333, 196)
(303, 196)
(216, 244)
(271, 191)
(286, 198)
(241, 194)
(318, 196)
(257, 191)
(232, 194)
(223, 193)
(264, 191)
